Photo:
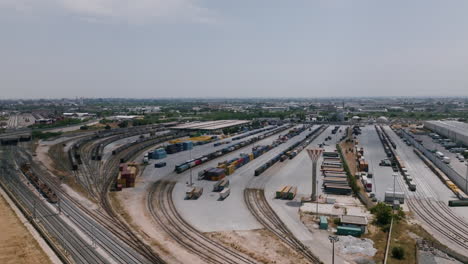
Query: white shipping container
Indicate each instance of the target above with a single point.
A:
(224, 193)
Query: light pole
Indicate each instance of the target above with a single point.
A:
(466, 179)
(314, 154)
(191, 183)
(333, 239)
(394, 178)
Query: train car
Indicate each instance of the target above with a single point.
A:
(72, 160)
(457, 203)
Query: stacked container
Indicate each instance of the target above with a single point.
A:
(159, 153)
(187, 145)
(126, 176)
(215, 174)
(174, 148)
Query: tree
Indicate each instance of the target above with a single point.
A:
(383, 214)
(398, 252)
(123, 124)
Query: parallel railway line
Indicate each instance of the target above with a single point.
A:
(259, 207)
(162, 208)
(439, 217)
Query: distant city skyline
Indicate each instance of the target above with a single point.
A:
(240, 49)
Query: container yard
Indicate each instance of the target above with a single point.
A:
(215, 132)
(255, 180)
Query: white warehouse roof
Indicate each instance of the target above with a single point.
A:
(455, 130)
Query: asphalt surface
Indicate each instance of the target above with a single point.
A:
(428, 185)
(455, 163)
(208, 213)
(374, 152)
(297, 172)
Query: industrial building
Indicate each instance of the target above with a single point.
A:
(456, 131)
(210, 125)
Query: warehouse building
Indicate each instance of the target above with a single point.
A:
(456, 131)
(211, 126)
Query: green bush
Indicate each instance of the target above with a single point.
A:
(383, 214)
(398, 252)
(351, 179)
(337, 221)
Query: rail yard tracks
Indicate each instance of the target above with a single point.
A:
(110, 220)
(161, 207)
(258, 205)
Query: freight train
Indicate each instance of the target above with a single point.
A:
(293, 150)
(179, 168)
(41, 186)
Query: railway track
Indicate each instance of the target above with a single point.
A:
(259, 207)
(162, 208)
(111, 222)
(103, 180)
(439, 222)
(436, 214)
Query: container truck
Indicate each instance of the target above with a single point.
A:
(439, 154)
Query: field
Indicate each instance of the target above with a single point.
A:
(16, 243)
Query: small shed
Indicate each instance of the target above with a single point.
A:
(323, 223)
(355, 221)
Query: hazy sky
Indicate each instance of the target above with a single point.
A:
(221, 48)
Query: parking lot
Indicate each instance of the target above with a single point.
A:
(456, 164)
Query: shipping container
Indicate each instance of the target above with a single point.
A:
(224, 193)
(348, 231)
(280, 191)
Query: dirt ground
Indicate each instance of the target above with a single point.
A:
(260, 245)
(16, 243)
(352, 165)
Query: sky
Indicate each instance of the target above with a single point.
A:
(220, 48)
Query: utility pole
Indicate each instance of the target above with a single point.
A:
(466, 179)
(394, 179)
(191, 183)
(333, 239)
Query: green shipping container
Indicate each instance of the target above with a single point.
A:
(323, 223)
(348, 231)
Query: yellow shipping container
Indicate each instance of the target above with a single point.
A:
(251, 156)
(230, 170)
